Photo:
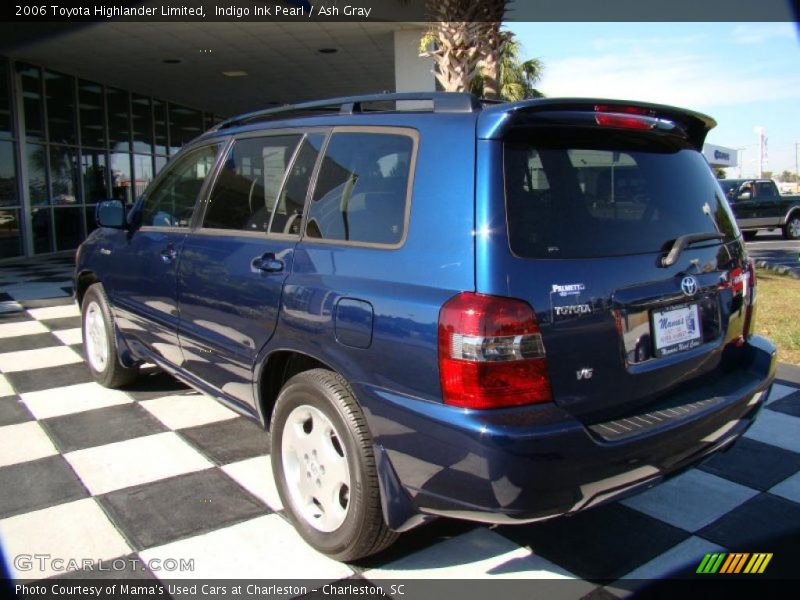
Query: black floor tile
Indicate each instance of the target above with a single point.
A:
(600, 544)
(157, 513)
(62, 323)
(122, 567)
(754, 464)
(47, 302)
(13, 411)
(28, 342)
(101, 426)
(229, 441)
(15, 316)
(789, 405)
(38, 484)
(154, 384)
(764, 523)
(51, 377)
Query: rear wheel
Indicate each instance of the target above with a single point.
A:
(100, 343)
(791, 231)
(325, 469)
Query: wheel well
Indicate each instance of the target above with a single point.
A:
(280, 367)
(84, 281)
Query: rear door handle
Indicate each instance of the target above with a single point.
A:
(169, 254)
(268, 263)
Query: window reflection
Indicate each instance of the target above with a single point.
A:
(41, 226)
(121, 177)
(6, 126)
(95, 175)
(60, 108)
(31, 79)
(143, 171)
(119, 128)
(37, 168)
(64, 175)
(93, 128)
(10, 239)
(8, 175)
(68, 228)
(142, 119)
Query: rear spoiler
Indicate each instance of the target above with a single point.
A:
(494, 122)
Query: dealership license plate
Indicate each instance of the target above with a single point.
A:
(676, 330)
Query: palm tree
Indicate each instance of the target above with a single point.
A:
(471, 52)
(516, 80)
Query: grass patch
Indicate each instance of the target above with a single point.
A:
(778, 314)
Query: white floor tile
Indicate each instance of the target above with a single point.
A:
(255, 475)
(72, 399)
(478, 554)
(691, 500)
(9, 330)
(24, 360)
(776, 428)
(69, 337)
(24, 442)
(788, 488)
(140, 460)
(55, 312)
(74, 531)
(780, 391)
(265, 547)
(187, 410)
(5, 387)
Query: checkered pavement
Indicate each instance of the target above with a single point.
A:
(160, 471)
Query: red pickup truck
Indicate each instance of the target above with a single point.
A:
(758, 204)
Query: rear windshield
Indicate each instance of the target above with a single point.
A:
(587, 196)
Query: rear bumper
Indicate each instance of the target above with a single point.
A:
(532, 463)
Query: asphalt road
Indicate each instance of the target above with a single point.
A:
(771, 247)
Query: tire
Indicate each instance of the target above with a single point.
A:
(791, 231)
(100, 343)
(749, 235)
(324, 467)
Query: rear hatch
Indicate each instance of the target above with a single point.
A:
(620, 238)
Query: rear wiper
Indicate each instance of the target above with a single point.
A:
(680, 244)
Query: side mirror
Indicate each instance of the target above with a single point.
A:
(744, 196)
(110, 213)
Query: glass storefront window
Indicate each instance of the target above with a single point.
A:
(91, 223)
(36, 159)
(10, 238)
(95, 175)
(121, 188)
(64, 175)
(160, 121)
(143, 172)
(31, 78)
(142, 118)
(161, 162)
(68, 227)
(185, 124)
(60, 90)
(119, 126)
(6, 124)
(41, 224)
(93, 126)
(8, 175)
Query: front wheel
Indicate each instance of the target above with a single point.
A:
(324, 467)
(100, 343)
(791, 231)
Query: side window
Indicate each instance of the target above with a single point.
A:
(765, 191)
(289, 208)
(172, 202)
(249, 182)
(361, 190)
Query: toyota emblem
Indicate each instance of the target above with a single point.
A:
(689, 285)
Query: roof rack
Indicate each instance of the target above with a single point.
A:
(443, 102)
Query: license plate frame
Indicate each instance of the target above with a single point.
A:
(676, 329)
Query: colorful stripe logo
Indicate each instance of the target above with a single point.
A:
(735, 562)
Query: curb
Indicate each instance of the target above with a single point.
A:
(780, 269)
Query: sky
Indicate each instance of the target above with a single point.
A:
(744, 75)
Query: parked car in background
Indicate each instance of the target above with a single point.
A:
(495, 312)
(758, 204)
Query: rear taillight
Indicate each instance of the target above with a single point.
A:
(749, 291)
(491, 353)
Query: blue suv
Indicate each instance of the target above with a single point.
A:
(439, 306)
